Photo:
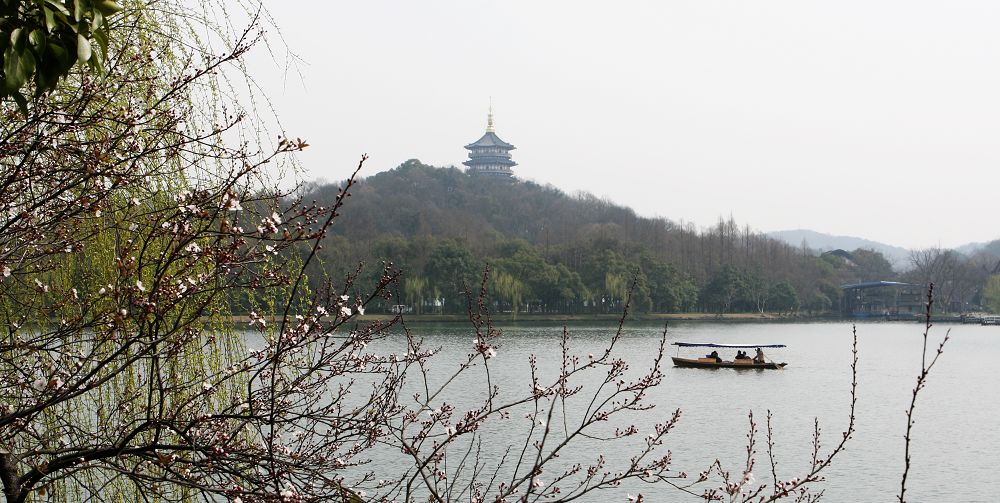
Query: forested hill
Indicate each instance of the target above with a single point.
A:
(419, 200)
(554, 251)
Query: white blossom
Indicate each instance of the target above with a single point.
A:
(288, 493)
(230, 202)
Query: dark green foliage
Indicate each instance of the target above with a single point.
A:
(783, 298)
(819, 303)
(562, 253)
(548, 286)
(41, 41)
(723, 290)
(871, 265)
(453, 271)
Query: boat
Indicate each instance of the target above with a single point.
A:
(713, 362)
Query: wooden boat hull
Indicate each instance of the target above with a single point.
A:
(702, 363)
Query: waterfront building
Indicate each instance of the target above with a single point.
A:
(882, 299)
(489, 155)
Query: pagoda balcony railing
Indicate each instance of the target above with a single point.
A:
(493, 171)
(489, 152)
(500, 158)
(485, 165)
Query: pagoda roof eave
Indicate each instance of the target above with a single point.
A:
(490, 139)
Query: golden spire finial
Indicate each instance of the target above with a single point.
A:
(489, 121)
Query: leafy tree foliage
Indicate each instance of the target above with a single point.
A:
(871, 265)
(783, 298)
(991, 294)
(41, 41)
(570, 253)
(453, 271)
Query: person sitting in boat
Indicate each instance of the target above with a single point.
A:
(714, 354)
(759, 357)
(742, 355)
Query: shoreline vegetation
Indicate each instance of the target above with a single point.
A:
(647, 317)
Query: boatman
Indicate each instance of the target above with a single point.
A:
(759, 357)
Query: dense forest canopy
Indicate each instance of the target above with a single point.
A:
(553, 252)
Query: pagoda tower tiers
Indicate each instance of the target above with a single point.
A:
(489, 155)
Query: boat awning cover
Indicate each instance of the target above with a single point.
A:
(731, 346)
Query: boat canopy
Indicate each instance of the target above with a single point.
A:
(729, 346)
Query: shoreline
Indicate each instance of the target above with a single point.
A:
(508, 318)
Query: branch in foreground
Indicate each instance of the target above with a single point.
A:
(925, 369)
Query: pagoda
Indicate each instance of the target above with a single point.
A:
(489, 155)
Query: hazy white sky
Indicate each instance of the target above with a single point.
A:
(877, 119)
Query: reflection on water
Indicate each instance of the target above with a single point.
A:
(956, 439)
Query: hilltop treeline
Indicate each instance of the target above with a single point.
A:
(553, 252)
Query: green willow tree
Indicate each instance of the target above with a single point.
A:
(991, 294)
(415, 288)
(507, 289)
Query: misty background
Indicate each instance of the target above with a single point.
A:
(869, 119)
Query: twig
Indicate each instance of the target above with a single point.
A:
(925, 369)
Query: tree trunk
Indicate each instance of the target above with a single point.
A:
(8, 475)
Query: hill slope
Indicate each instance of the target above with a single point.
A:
(898, 256)
(564, 252)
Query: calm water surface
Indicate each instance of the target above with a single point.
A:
(956, 442)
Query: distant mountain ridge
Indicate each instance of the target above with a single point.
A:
(898, 256)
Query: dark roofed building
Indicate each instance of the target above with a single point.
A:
(489, 155)
(878, 299)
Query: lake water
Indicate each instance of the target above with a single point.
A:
(956, 440)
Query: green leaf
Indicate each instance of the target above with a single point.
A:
(59, 53)
(78, 10)
(97, 21)
(108, 7)
(82, 49)
(101, 37)
(97, 62)
(50, 19)
(19, 64)
(15, 37)
(58, 5)
(22, 103)
(37, 40)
